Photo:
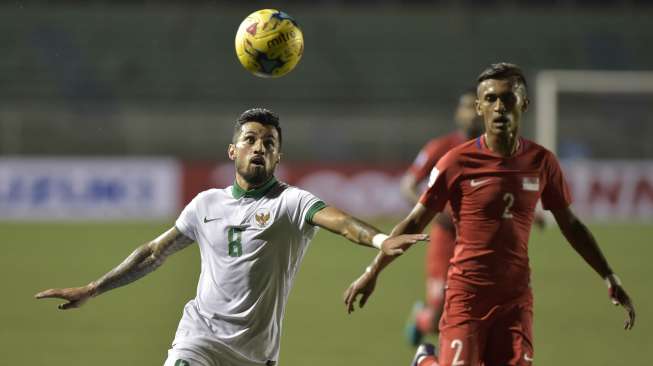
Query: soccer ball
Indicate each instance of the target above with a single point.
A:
(269, 43)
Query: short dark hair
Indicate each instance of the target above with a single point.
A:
(261, 115)
(502, 71)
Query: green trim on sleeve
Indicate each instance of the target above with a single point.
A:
(317, 206)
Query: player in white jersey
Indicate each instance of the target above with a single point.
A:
(252, 237)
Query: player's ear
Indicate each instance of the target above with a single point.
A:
(279, 157)
(231, 152)
(525, 105)
(477, 106)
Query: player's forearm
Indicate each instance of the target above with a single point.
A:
(141, 262)
(358, 231)
(379, 263)
(410, 225)
(584, 243)
(341, 223)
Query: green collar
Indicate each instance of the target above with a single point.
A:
(255, 193)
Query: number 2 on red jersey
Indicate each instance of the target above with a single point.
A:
(509, 199)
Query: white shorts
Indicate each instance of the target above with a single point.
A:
(200, 351)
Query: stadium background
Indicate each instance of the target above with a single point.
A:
(114, 114)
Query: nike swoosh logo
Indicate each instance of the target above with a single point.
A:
(526, 358)
(476, 183)
(209, 220)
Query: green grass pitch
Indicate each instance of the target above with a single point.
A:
(575, 324)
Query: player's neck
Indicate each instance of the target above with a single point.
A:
(502, 144)
(244, 185)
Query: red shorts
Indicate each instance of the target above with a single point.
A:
(438, 254)
(480, 329)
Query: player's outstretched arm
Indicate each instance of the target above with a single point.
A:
(364, 285)
(583, 242)
(360, 232)
(142, 261)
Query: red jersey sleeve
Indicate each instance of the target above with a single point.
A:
(556, 192)
(441, 180)
(424, 162)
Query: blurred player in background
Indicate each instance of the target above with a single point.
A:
(425, 317)
(493, 184)
(252, 237)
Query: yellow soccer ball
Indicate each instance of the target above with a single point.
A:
(269, 43)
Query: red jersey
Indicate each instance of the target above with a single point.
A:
(493, 201)
(432, 152)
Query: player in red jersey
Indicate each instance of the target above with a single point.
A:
(493, 184)
(425, 317)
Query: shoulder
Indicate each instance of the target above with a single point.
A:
(538, 152)
(215, 192)
(298, 202)
(448, 145)
(461, 156)
(289, 191)
(530, 145)
(458, 152)
(212, 195)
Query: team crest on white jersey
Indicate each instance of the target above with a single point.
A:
(531, 184)
(263, 218)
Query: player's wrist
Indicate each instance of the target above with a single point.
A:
(612, 280)
(372, 270)
(92, 289)
(378, 240)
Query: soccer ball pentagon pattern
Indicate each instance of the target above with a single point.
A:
(269, 43)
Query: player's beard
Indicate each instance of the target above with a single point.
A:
(513, 130)
(508, 131)
(256, 175)
(509, 136)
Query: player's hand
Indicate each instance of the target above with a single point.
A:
(396, 245)
(75, 296)
(363, 286)
(618, 296)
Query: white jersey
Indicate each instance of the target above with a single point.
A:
(251, 245)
